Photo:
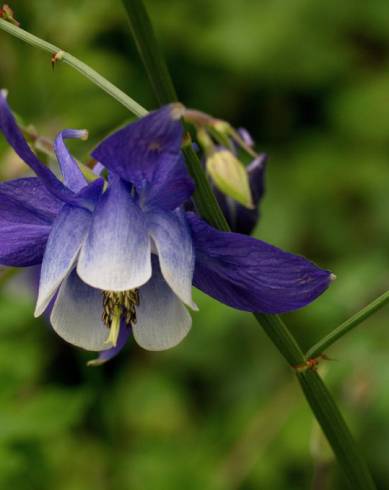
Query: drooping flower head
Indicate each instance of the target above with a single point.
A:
(124, 259)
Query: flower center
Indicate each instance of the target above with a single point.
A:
(117, 305)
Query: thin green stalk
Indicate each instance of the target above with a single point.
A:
(336, 431)
(319, 399)
(348, 325)
(149, 51)
(203, 197)
(282, 338)
(321, 402)
(84, 69)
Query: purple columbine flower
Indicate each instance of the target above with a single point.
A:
(125, 259)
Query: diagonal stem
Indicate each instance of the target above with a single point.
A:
(318, 397)
(321, 403)
(153, 60)
(348, 325)
(83, 68)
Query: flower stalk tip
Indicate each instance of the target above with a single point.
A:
(177, 110)
(84, 134)
(7, 14)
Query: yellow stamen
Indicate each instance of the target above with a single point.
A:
(114, 327)
(116, 306)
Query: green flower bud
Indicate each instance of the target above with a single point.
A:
(230, 176)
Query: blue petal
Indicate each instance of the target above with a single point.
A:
(91, 193)
(116, 253)
(138, 150)
(162, 319)
(16, 139)
(68, 232)
(98, 168)
(21, 244)
(252, 275)
(26, 213)
(73, 178)
(256, 171)
(76, 315)
(170, 187)
(246, 137)
(28, 196)
(174, 245)
(106, 355)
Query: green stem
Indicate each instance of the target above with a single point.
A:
(84, 69)
(282, 338)
(203, 197)
(319, 399)
(348, 325)
(337, 433)
(321, 403)
(149, 51)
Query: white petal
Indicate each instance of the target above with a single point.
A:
(116, 253)
(65, 239)
(76, 316)
(162, 319)
(174, 245)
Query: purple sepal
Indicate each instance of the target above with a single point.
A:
(73, 178)
(29, 194)
(15, 138)
(27, 211)
(171, 186)
(22, 244)
(251, 275)
(147, 154)
(246, 137)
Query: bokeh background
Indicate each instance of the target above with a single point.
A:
(221, 411)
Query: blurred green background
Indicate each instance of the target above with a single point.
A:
(222, 410)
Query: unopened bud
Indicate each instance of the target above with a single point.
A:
(205, 141)
(230, 176)
(222, 126)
